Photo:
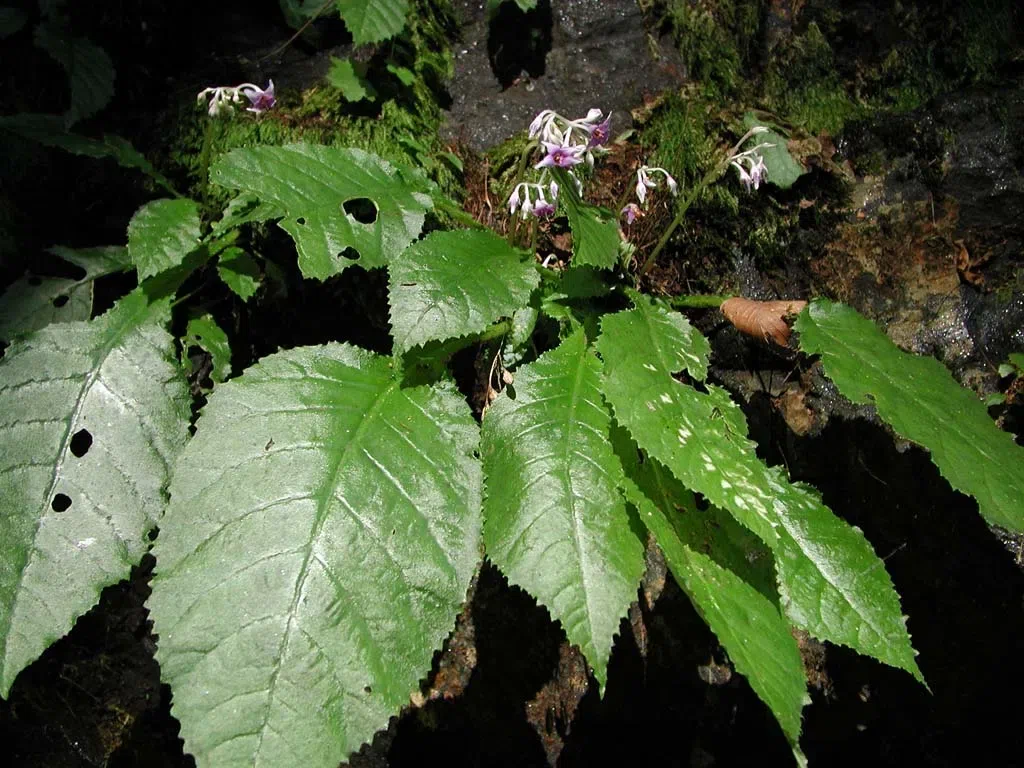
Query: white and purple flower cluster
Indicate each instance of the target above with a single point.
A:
(566, 143)
(223, 98)
(749, 164)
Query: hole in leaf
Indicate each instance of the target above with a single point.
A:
(367, 689)
(350, 253)
(35, 281)
(301, 220)
(61, 502)
(700, 502)
(361, 209)
(153, 534)
(510, 390)
(60, 301)
(81, 442)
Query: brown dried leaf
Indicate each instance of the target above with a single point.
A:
(762, 319)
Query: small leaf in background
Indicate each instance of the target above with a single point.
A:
(239, 272)
(323, 529)
(350, 79)
(161, 234)
(89, 69)
(1014, 365)
(783, 170)
(298, 12)
(920, 399)
(370, 21)
(595, 231)
(50, 131)
(830, 580)
(92, 416)
(32, 303)
(341, 206)
(524, 5)
(555, 522)
(405, 75)
(456, 283)
(203, 332)
(245, 208)
(11, 21)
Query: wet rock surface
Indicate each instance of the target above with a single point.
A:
(571, 57)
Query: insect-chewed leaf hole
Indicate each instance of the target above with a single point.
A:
(81, 442)
(362, 209)
(349, 253)
(61, 502)
(60, 301)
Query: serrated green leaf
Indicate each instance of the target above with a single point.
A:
(452, 284)
(161, 234)
(351, 81)
(831, 582)
(311, 185)
(32, 303)
(239, 272)
(116, 380)
(11, 21)
(245, 208)
(595, 231)
(746, 622)
(370, 21)
(90, 71)
(203, 332)
(298, 12)
(921, 400)
(524, 5)
(323, 529)
(783, 170)
(554, 520)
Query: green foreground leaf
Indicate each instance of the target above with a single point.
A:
(555, 521)
(311, 186)
(83, 466)
(161, 234)
(830, 581)
(452, 284)
(595, 231)
(323, 529)
(921, 400)
(370, 21)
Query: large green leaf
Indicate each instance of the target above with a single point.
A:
(370, 21)
(239, 272)
(161, 234)
(783, 169)
(313, 184)
(746, 621)
(555, 521)
(831, 582)
(32, 302)
(921, 400)
(595, 231)
(323, 529)
(452, 284)
(92, 415)
(89, 69)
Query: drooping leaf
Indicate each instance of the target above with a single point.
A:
(783, 170)
(350, 79)
(323, 528)
(452, 284)
(831, 582)
(161, 234)
(32, 303)
(370, 21)
(405, 75)
(340, 205)
(11, 21)
(554, 519)
(203, 332)
(51, 131)
(239, 272)
(245, 208)
(90, 71)
(921, 400)
(92, 415)
(595, 231)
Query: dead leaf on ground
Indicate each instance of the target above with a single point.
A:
(762, 319)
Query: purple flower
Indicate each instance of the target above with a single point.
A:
(261, 99)
(758, 172)
(543, 208)
(631, 212)
(560, 157)
(599, 134)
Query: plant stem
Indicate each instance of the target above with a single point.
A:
(695, 191)
(697, 301)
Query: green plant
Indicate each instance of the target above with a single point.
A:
(318, 533)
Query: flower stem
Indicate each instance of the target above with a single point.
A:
(697, 301)
(695, 191)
